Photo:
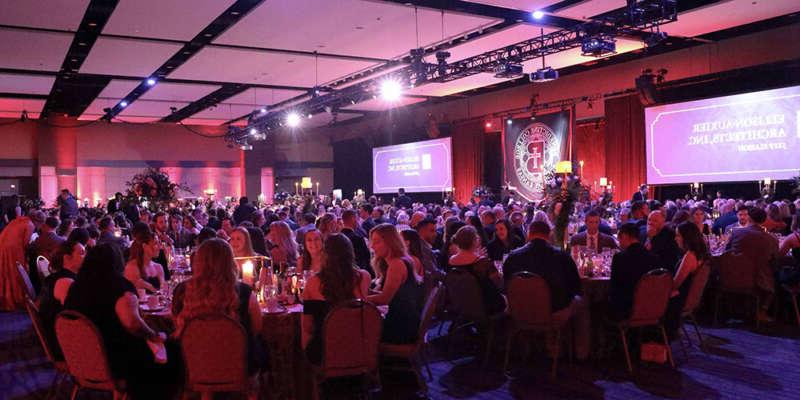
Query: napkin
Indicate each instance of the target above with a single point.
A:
(159, 351)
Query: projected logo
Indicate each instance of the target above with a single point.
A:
(536, 152)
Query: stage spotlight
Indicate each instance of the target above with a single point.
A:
(391, 90)
(263, 110)
(253, 131)
(488, 124)
(509, 121)
(123, 103)
(151, 82)
(538, 14)
(293, 120)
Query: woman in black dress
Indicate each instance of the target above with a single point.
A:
(482, 268)
(504, 241)
(103, 295)
(66, 264)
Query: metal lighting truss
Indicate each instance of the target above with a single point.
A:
(632, 20)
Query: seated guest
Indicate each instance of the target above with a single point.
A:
(306, 224)
(561, 274)
(328, 225)
(48, 241)
(774, 222)
(312, 254)
(103, 295)
(505, 240)
(742, 219)
(475, 221)
(398, 286)
(365, 213)
(107, 229)
(141, 270)
(627, 267)
(82, 236)
(243, 211)
(482, 268)
(205, 234)
(699, 219)
(339, 280)
(760, 249)
(727, 211)
(679, 217)
(660, 240)
(789, 252)
(284, 247)
(190, 226)
(65, 227)
(592, 238)
(214, 288)
(66, 263)
(414, 247)
(258, 240)
(449, 249)
(518, 224)
(427, 232)
(351, 229)
(488, 220)
(695, 256)
(180, 238)
(639, 213)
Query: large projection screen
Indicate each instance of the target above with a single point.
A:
(745, 137)
(416, 167)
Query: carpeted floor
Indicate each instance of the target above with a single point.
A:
(739, 364)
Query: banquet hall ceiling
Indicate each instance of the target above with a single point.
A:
(215, 61)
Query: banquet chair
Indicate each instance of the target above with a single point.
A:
(692, 303)
(59, 365)
(737, 276)
(214, 348)
(42, 268)
(351, 334)
(85, 355)
(650, 299)
(25, 281)
(414, 353)
(530, 310)
(465, 302)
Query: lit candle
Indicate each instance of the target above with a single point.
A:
(696, 185)
(767, 181)
(296, 191)
(247, 272)
(603, 181)
(317, 188)
(275, 280)
(294, 283)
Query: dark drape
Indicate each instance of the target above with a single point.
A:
(625, 147)
(468, 144)
(590, 147)
(351, 158)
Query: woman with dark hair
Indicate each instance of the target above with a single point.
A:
(504, 241)
(141, 270)
(468, 257)
(475, 221)
(65, 227)
(338, 280)
(66, 264)
(103, 295)
(699, 219)
(80, 235)
(679, 217)
(451, 226)
(257, 240)
(696, 255)
(413, 244)
(312, 254)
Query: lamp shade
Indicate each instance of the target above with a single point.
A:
(603, 181)
(305, 183)
(564, 167)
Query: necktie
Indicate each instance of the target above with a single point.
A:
(592, 243)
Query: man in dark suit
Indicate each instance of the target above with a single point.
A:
(760, 249)
(48, 241)
(243, 211)
(365, 213)
(660, 240)
(427, 232)
(592, 237)
(639, 213)
(727, 216)
(403, 201)
(641, 195)
(107, 229)
(561, 274)
(360, 249)
(627, 267)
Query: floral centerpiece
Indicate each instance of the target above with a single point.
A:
(153, 189)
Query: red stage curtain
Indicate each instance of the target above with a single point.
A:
(467, 158)
(590, 147)
(625, 148)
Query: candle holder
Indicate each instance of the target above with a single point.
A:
(250, 269)
(767, 187)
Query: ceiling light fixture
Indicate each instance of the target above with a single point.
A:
(537, 14)
(123, 103)
(293, 120)
(391, 90)
(151, 82)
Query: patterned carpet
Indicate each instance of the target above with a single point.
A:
(739, 364)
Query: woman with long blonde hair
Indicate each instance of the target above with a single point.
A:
(400, 287)
(214, 289)
(284, 246)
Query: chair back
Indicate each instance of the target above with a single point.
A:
(42, 267)
(84, 351)
(736, 272)
(214, 349)
(529, 301)
(427, 313)
(351, 334)
(697, 288)
(650, 298)
(36, 320)
(464, 295)
(25, 281)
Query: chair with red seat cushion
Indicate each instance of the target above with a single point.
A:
(693, 300)
(59, 365)
(25, 280)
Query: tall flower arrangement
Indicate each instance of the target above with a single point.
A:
(562, 199)
(153, 189)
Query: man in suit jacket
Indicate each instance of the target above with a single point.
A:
(627, 267)
(48, 241)
(360, 249)
(592, 238)
(660, 240)
(561, 274)
(307, 224)
(760, 249)
(641, 195)
(427, 231)
(365, 212)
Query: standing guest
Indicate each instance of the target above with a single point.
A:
(12, 210)
(115, 204)
(365, 213)
(141, 270)
(243, 211)
(592, 238)
(339, 280)
(311, 256)
(284, 247)
(695, 256)
(468, 258)
(48, 241)
(558, 269)
(360, 249)
(403, 201)
(67, 205)
(505, 241)
(103, 295)
(13, 239)
(414, 247)
(214, 288)
(66, 263)
(640, 195)
(660, 240)
(699, 219)
(307, 223)
(760, 250)
(627, 267)
(398, 286)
